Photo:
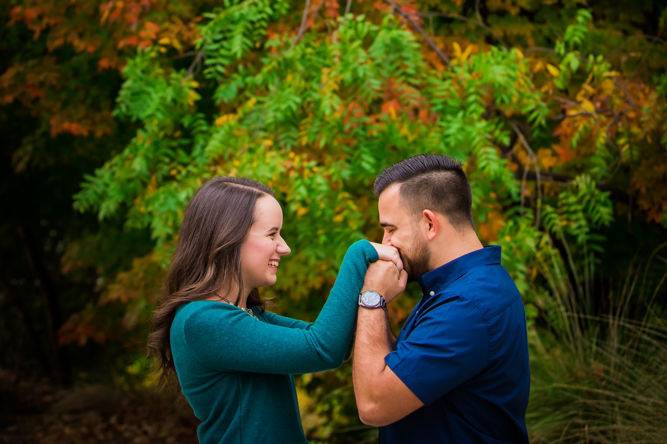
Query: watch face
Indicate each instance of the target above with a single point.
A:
(370, 298)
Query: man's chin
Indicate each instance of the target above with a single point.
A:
(413, 275)
(415, 271)
(416, 263)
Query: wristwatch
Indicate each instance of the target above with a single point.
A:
(371, 299)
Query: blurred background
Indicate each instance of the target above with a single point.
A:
(112, 113)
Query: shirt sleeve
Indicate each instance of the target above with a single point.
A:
(224, 338)
(284, 321)
(448, 345)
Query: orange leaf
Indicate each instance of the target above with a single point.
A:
(391, 107)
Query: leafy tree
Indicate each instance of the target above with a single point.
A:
(557, 110)
(59, 76)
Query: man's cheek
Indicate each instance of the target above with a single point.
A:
(404, 259)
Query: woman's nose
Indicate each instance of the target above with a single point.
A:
(283, 249)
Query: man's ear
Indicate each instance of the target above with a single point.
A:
(431, 224)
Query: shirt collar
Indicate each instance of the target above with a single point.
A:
(445, 274)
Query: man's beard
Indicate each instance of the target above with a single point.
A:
(416, 263)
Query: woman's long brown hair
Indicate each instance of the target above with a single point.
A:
(207, 258)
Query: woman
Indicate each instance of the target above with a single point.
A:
(233, 359)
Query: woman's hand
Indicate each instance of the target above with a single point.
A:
(385, 278)
(388, 253)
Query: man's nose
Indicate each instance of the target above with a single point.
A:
(386, 239)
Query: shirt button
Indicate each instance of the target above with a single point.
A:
(431, 292)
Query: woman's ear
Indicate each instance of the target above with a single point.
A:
(431, 224)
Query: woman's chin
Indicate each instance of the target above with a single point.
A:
(270, 280)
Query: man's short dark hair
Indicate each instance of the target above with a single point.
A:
(431, 181)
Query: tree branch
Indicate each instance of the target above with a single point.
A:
(196, 63)
(480, 20)
(458, 17)
(533, 157)
(415, 26)
(348, 6)
(304, 24)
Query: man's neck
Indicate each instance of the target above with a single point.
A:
(452, 247)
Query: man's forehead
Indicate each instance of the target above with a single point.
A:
(389, 204)
(390, 195)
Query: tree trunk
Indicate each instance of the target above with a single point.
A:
(58, 361)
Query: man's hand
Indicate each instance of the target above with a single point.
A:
(388, 253)
(383, 276)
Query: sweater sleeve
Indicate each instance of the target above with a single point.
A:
(284, 321)
(224, 338)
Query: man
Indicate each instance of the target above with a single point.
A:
(459, 371)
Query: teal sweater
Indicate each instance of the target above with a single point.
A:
(235, 370)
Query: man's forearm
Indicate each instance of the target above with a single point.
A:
(372, 344)
(382, 397)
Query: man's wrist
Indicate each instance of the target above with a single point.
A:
(371, 299)
(373, 288)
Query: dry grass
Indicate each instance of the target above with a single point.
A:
(603, 378)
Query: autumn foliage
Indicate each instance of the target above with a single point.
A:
(557, 110)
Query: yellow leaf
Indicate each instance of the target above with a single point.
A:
(607, 86)
(192, 97)
(224, 119)
(300, 211)
(152, 185)
(457, 50)
(251, 103)
(552, 70)
(466, 53)
(460, 55)
(588, 106)
(602, 138)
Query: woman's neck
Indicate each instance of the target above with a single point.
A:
(241, 302)
(229, 294)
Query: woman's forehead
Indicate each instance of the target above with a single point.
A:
(268, 211)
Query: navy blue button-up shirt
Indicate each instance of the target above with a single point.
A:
(463, 351)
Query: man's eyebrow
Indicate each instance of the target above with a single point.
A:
(387, 224)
